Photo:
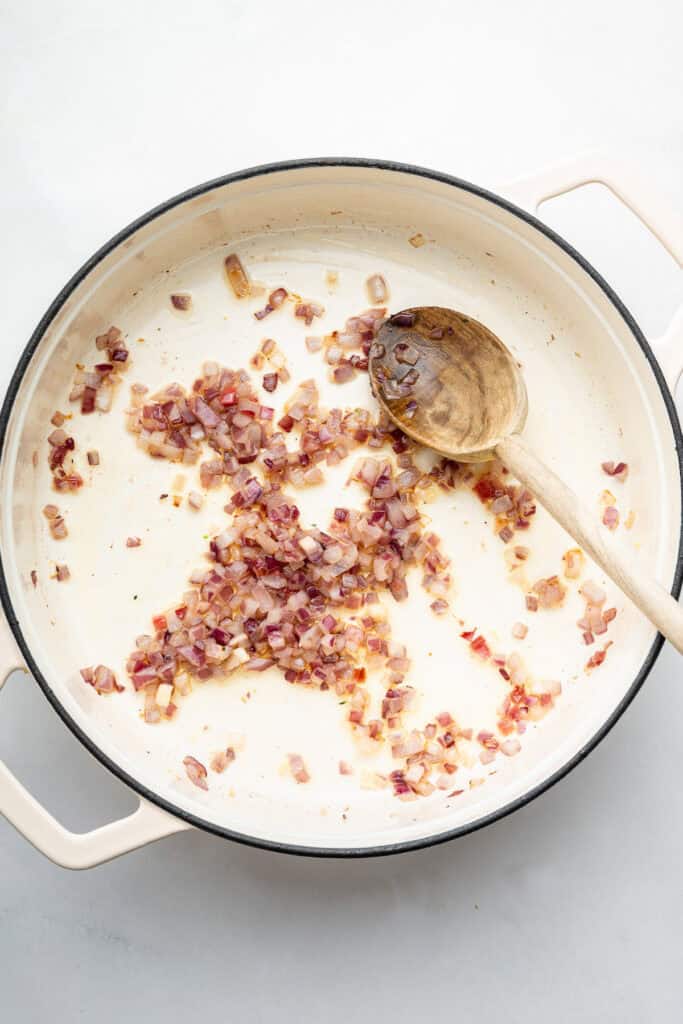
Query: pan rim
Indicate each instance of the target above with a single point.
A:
(155, 798)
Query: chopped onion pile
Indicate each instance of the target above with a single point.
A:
(61, 462)
(525, 701)
(224, 411)
(303, 600)
(512, 505)
(595, 619)
(346, 352)
(95, 388)
(306, 600)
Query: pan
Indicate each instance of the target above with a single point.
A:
(295, 778)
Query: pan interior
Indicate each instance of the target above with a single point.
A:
(592, 397)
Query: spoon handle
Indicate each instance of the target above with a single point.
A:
(561, 502)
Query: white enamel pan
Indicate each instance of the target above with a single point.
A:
(597, 391)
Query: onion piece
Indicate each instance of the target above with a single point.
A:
(551, 592)
(377, 289)
(616, 469)
(102, 679)
(574, 561)
(196, 772)
(237, 276)
(610, 517)
(307, 311)
(298, 768)
(592, 592)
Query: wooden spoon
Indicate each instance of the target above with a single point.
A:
(451, 385)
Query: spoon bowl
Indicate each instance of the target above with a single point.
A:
(448, 382)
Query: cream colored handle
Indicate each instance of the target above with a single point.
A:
(622, 175)
(647, 594)
(654, 205)
(71, 849)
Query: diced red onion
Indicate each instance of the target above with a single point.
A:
(377, 288)
(592, 592)
(610, 517)
(298, 768)
(196, 772)
(616, 469)
(237, 276)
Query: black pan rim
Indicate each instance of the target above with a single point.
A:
(255, 841)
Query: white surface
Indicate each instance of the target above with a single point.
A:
(570, 908)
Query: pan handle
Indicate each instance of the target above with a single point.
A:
(642, 196)
(71, 849)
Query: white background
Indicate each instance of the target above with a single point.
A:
(569, 910)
